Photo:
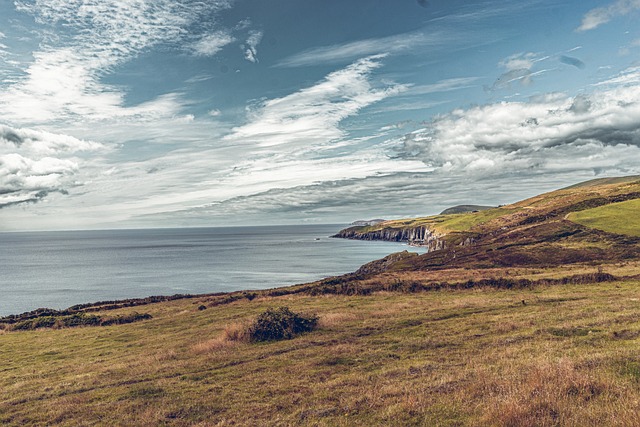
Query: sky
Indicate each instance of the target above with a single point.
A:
(183, 113)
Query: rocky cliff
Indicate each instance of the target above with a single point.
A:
(416, 236)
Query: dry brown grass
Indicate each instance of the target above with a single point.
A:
(332, 320)
(448, 358)
(212, 345)
(554, 393)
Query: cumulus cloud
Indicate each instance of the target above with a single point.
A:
(600, 130)
(311, 116)
(601, 15)
(24, 180)
(581, 104)
(35, 163)
(251, 47)
(42, 142)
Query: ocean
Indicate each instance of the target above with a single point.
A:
(62, 268)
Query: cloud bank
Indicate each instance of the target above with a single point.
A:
(551, 133)
(35, 163)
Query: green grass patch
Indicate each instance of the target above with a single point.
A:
(441, 223)
(618, 218)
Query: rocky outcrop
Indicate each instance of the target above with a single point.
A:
(418, 236)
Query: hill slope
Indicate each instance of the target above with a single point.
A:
(593, 222)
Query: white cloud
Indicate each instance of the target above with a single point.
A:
(64, 80)
(251, 48)
(626, 77)
(41, 142)
(211, 44)
(601, 15)
(600, 130)
(35, 163)
(360, 48)
(311, 116)
(214, 112)
(307, 147)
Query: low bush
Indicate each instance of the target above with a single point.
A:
(275, 324)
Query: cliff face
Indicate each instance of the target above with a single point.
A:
(418, 236)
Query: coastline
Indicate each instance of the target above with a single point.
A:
(127, 265)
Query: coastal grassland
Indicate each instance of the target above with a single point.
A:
(619, 218)
(441, 223)
(558, 355)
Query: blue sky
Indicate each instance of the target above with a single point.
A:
(169, 113)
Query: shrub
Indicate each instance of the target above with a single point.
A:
(280, 324)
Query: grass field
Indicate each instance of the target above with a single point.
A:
(619, 218)
(566, 356)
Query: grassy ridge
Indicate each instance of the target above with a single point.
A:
(441, 223)
(619, 218)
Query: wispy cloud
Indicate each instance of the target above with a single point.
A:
(210, 44)
(601, 15)
(64, 80)
(311, 116)
(519, 68)
(446, 85)
(630, 76)
(348, 51)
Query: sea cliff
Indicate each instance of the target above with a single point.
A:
(416, 236)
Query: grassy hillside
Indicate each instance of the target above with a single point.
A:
(535, 231)
(566, 356)
(442, 224)
(605, 181)
(619, 218)
(533, 321)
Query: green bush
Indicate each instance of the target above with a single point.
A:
(280, 324)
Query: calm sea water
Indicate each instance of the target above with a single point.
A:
(59, 269)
